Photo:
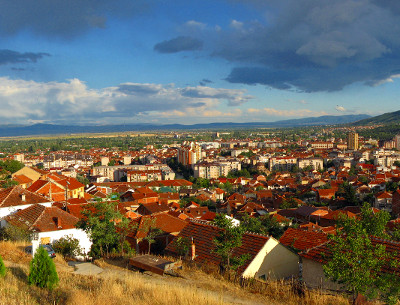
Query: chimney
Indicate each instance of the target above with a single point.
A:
(57, 221)
(23, 197)
(193, 250)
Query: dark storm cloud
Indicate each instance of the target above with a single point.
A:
(178, 44)
(13, 57)
(63, 18)
(312, 45)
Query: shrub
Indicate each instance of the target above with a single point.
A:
(67, 246)
(42, 271)
(14, 233)
(3, 268)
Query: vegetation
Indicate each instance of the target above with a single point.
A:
(110, 288)
(348, 192)
(150, 229)
(227, 241)
(11, 166)
(107, 228)
(67, 246)
(14, 233)
(42, 271)
(265, 225)
(182, 246)
(357, 263)
(3, 268)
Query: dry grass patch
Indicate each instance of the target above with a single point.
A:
(14, 251)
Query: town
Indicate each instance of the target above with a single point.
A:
(261, 204)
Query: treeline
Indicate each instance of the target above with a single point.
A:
(75, 144)
(385, 133)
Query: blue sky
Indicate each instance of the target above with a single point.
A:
(137, 61)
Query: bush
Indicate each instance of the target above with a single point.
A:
(42, 271)
(3, 268)
(13, 233)
(67, 246)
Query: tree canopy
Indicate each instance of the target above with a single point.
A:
(357, 262)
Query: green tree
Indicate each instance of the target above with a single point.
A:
(42, 271)
(227, 241)
(391, 186)
(374, 223)
(349, 193)
(11, 165)
(289, 204)
(273, 227)
(182, 246)
(102, 220)
(3, 269)
(252, 224)
(149, 227)
(356, 262)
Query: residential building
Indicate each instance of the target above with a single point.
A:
(189, 153)
(352, 141)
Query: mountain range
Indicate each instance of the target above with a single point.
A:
(52, 129)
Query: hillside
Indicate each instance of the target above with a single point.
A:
(386, 118)
(117, 285)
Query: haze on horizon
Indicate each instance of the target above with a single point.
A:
(161, 62)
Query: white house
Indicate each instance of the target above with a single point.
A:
(48, 224)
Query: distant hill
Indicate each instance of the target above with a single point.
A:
(386, 118)
(50, 129)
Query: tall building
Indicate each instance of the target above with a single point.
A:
(189, 153)
(397, 142)
(352, 141)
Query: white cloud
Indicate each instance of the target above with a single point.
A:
(340, 108)
(384, 81)
(73, 102)
(236, 24)
(195, 24)
(285, 113)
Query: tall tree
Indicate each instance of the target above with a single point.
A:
(227, 241)
(357, 262)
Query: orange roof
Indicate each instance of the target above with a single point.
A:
(22, 179)
(16, 195)
(301, 239)
(43, 219)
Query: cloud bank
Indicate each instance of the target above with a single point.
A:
(309, 45)
(58, 102)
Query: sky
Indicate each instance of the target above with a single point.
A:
(83, 62)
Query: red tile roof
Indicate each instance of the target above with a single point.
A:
(163, 221)
(203, 235)
(43, 219)
(22, 179)
(14, 196)
(301, 239)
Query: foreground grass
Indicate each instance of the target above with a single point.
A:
(87, 290)
(118, 286)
